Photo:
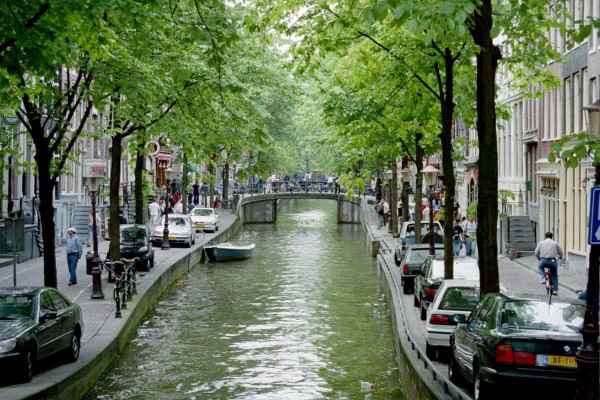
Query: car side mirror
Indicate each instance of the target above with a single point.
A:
(459, 319)
(48, 315)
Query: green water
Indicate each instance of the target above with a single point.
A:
(303, 319)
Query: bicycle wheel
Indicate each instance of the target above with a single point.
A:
(548, 285)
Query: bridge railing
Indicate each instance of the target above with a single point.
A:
(291, 187)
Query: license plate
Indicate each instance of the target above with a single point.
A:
(199, 225)
(172, 238)
(562, 361)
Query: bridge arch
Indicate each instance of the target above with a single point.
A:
(262, 208)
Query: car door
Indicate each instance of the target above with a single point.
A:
(469, 335)
(54, 333)
(419, 278)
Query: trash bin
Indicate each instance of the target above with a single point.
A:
(88, 262)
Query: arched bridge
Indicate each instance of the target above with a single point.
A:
(262, 208)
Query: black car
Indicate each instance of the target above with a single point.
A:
(35, 324)
(135, 241)
(412, 262)
(517, 339)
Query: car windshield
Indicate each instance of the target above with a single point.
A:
(133, 236)
(177, 221)
(459, 298)
(16, 306)
(419, 255)
(203, 212)
(542, 315)
(410, 229)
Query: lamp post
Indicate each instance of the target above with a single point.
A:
(306, 176)
(405, 184)
(165, 242)
(93, 184)
(388, 175)
(587, 354)
(430, 174)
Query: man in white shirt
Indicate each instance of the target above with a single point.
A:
(470, 242)
(154, 210)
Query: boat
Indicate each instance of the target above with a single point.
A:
(229, 251)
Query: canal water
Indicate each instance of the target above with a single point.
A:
(304, 318)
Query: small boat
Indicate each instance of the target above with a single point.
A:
(229, 252)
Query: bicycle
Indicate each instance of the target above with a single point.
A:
(548, 279)
(125, 279)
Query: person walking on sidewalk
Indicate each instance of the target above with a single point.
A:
(457, 237)
(379, 210)
(547, 251)
(470, 242)
(74, 251)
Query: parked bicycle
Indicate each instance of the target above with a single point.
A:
(125, 279)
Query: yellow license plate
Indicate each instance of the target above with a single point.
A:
(199, 225)
(562, 361)
(172, 238)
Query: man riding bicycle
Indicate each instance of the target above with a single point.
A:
(547, 251)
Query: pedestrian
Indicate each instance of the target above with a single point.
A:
(379, 210)
(74, 251)
(154, 210)
(426, 216)
(547, 251)
(457, 237)
(470, 241)
(203, 193)
(178, 209)
(122, 219)
(386, 212)
(90, 226)
(196, 192)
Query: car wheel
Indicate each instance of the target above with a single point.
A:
(193, 238)
(453, 371)
(25, 367)
(423, 312)
(151, 262)
(431, 351)
(416, 301)
(75, 348)
(405, 287)
(481, 389)
(396, 260)
(216, 229)
(189, 243)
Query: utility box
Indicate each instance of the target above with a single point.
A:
(14, 234)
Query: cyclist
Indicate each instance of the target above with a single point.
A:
(547, 251)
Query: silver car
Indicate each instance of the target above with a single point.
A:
(181, 230)
(205, 218)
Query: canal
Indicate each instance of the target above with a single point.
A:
(304, 318)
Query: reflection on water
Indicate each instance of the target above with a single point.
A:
(302, 319)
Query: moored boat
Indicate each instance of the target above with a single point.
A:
(229, 251)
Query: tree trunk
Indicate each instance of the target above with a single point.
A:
(140, 208)
(487, 205)
(47, 221)
(115, 181)
(447, 165)
(184, 185)
(394, 205)
(418, 192)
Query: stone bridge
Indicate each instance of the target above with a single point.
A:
(262, 208)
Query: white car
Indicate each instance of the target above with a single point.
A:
(455, 296)
(205, 219)
(181, 230)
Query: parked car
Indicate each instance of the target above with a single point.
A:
(412, 262)
(432, 275)
(455, 296)
(407, 237)
(205, 218)
(181, 230)
(136, 241)
(517, 339)
(37, 323)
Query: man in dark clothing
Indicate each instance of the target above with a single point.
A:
(196, 192)
(122, 219)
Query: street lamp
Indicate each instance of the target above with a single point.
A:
(587, 354)
(405, 184)
(93, 184)
(430, 174)
(388, 175)
(169, 173)
(306, 177)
